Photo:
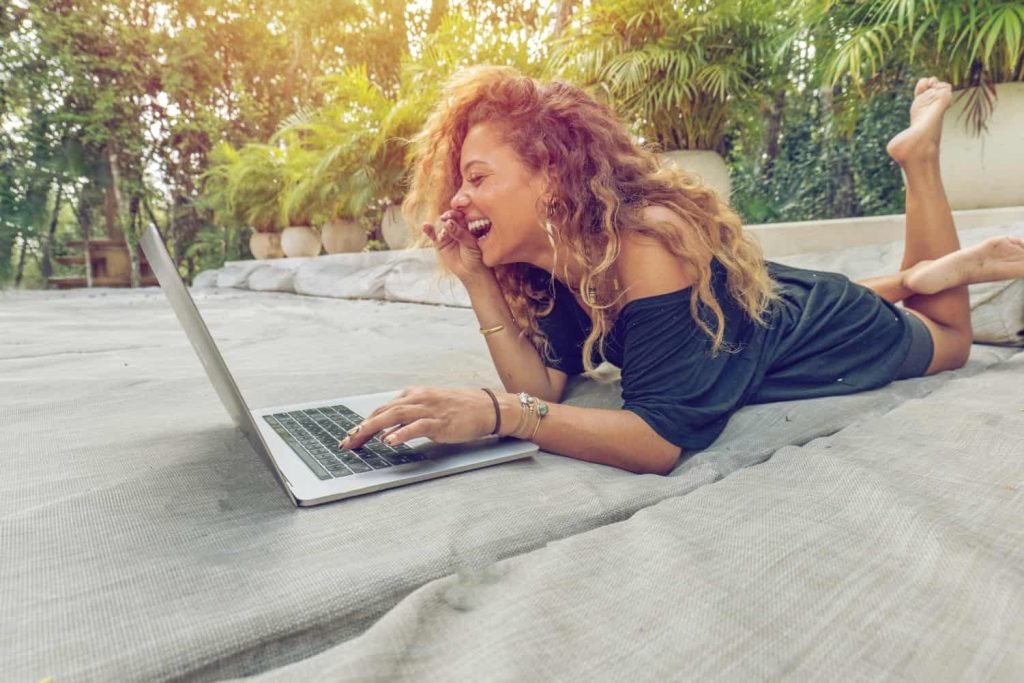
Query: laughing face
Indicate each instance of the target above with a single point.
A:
(501, 198)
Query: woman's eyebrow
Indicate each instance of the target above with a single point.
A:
(470, 164)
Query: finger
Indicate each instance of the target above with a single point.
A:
(453, 215)
(429, 231)
(402, 399)
(368, 428)
(441, 238)
(428, 427)
(461, 234)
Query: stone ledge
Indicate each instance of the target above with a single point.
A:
(412, 275)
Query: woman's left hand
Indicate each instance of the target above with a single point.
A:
(444, 415)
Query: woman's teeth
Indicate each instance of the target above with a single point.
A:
(479, 228)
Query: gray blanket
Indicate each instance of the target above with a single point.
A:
(142, 539)
(878, 553)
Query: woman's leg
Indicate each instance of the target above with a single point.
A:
(997, 258)
(930, 232)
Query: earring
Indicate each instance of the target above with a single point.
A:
(549, 230)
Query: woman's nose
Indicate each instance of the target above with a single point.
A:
(460, 200)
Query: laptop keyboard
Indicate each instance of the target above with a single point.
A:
(314, 434)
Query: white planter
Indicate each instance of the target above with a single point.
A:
(985, 171)
(265, 245)
(708, 166)
(343, 235)
(396, 232)
(299, 241)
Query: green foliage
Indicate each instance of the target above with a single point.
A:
(819, 173)
(678, 71)
(246, 186)
(351, 153)
(973, 44)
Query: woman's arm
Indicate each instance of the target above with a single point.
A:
(518, 362)
(619, 438)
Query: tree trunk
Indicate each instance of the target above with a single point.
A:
(565, 9)
(20, 237)
(133, 247)
(115, 183)
(293, 65)
(46, 265)
(438, 11)
(85, 223)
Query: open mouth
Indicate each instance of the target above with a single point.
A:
(480, 228)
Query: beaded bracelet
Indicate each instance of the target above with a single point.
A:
(530, 406)
(524, 404)
(542, 411)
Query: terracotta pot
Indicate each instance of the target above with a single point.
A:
(300, 241)
(708, 166)
(265, 245)
(343, 235)
(397, 233)
(984, 171)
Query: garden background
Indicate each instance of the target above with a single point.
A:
(217, 118)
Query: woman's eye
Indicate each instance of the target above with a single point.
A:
(475, 179)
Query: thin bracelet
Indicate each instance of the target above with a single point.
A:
(524, 403)
(542, 410)
(487, 331)
(497, 411)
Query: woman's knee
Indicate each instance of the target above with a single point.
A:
(952, 349)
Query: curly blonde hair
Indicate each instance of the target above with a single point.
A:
(602, 184)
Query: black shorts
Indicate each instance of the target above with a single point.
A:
(922, 348)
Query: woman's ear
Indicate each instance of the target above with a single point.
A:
(552, 178)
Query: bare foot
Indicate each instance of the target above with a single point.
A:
(921, 140)
(999, 258)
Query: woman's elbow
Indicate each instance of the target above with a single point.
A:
(661, 459)
(660, 456)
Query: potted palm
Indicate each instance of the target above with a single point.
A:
(328, 146)
(254, 184)
(678, 72)
(373, 134)
(246, 184)
(299, 239)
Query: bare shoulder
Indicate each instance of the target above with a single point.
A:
(645, 265)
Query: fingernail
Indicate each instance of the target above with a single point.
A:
(343, 443)
(390, 439)
(354, 430)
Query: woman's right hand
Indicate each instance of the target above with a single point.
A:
(457, 246)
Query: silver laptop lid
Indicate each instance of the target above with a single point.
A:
(199, 335)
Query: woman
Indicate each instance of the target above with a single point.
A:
(575, 245)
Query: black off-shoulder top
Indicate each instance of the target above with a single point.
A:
(825, 336)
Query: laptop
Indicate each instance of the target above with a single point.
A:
(299, 442)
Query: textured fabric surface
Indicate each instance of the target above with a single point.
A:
(892, 551)
(142, 539)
